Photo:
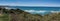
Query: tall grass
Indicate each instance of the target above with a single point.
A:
(4, 17)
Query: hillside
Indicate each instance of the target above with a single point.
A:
(20, 15)
(52, 17)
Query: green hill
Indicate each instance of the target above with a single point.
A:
(20, 15)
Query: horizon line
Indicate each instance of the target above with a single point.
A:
(31, 6)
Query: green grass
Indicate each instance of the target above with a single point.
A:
(5, 17)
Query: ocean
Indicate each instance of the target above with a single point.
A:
(38, 9)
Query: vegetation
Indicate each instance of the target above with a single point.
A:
(20, 15)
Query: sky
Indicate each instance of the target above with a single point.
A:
(50, 3)
(30, 2)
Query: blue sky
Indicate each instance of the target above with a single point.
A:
(30, 2)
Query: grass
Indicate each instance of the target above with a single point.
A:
(30, 17)
(4, 17)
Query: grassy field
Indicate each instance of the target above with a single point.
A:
(4, 17)
(31, 17)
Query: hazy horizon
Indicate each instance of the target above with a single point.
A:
(52, 3)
